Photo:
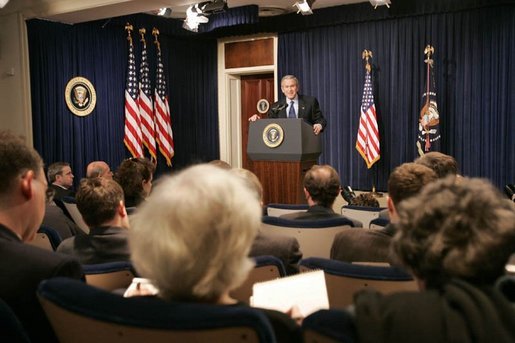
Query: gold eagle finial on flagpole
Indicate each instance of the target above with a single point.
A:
(428, 51)
(142, 32)
(366, 55)
(129, 28)
(155, 33)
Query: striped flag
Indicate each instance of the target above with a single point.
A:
(164, 133)
(132, 137)
(367, 143)
(146, 111)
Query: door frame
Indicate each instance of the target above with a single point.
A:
(229, 99)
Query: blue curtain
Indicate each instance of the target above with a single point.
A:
(475, 79)
(98, 52)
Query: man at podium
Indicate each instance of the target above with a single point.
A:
(296, 105)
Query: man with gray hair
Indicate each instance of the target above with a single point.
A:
(60, 177)
(99, 169)
(23, 190)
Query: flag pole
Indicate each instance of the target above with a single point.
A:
(366, 55)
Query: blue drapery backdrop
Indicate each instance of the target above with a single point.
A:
(474, 47)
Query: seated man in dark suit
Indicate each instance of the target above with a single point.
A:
(321, 187)
(365, 245)
(23, 189)
(101, 203)
(60, 177)
(283, 247)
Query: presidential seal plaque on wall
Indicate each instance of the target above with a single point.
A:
(273, 135)
(262, 106)
(80, 96)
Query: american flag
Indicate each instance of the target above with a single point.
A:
(164, 133)
(145, 101)
(367, 143)
(132, 137)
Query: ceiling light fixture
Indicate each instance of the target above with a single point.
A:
(194, 17)
(3, 3)
(164, 11)
(376, 3)
(304, 6)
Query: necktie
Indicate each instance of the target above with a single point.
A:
(291, 113)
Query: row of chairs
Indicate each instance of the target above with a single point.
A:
(74, 307)
(366, 215)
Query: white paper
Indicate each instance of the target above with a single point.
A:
(307, 291)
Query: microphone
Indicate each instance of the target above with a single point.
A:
(279, 107)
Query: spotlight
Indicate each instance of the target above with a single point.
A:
(376, 3)
(3, 3)
(164, 11)
(304, 6)
(194, 17)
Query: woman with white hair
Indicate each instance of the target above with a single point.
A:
(193, 235)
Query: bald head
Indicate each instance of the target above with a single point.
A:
(99, 169)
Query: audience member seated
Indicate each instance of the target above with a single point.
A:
(100, 202)
(365, 245)
(193, 235)
(99, 169)
(23, 189)
(285, 248)
(135, 176)
(442, 164)
(365, 199)
(455, 237)
(61, 177)
(321, 187)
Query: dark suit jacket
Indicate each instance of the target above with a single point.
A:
(102, 244)
(363, 245)
(318, 212)
(22, 268)
(61, 192)
(309, 110)
(283, 247)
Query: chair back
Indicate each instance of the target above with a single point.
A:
(364, 214)
(81, 313)
(344, 279)
(71, 206)
(315, 237)
(109, 276)
(266, 268)
(329, 326)
(378, 223)
(46, 238)
(277, 210)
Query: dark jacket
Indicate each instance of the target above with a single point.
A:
(22, 268)
(309, 110)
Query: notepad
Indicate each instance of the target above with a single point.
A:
(307, 291)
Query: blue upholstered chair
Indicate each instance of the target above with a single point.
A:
(277, 210)
(344, 279)
(378, 223)
(109, 276)
(266, 268)
(329, 326)
(315, 237)
(70, 206)
(81, 313)
(364, 214)
(46, 238)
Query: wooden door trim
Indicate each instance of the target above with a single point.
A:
(229, 100)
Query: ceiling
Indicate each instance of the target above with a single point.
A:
(77, 11)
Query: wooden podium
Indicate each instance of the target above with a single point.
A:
(282, 150)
